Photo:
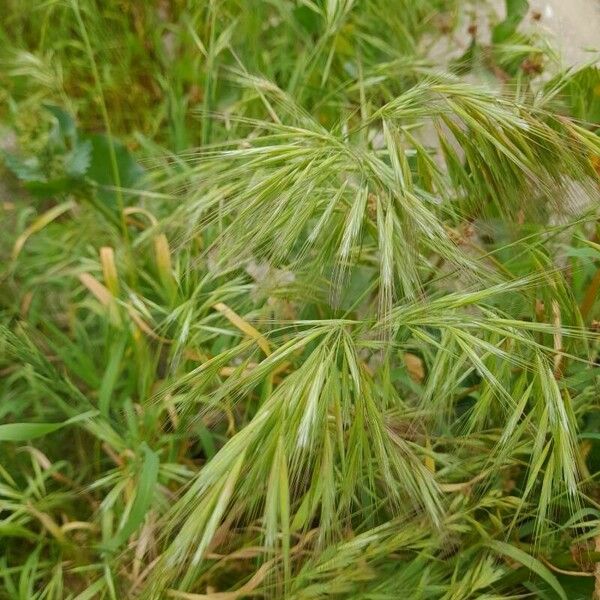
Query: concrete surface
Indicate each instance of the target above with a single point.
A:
(575, 26)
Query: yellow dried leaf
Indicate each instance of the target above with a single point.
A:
(109, 269)
(40, 223)
(145, 327)
(136, 210)
(429, 461)
(414, 366)
(243, 326)
(100, 292)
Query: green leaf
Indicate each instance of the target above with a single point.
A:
(515, 13)
(110, 375)
(307, 17)
(49, 187)
(92, 591)
(23, 432)
(206, 439)
(101, 172)
(530, 562)
(143, 498)
(16, 531)
(464, 64)
(582, 93)
(577, 588)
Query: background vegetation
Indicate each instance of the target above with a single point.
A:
(298, 299)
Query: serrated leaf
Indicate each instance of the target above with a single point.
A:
(78, 161)
(25, 169)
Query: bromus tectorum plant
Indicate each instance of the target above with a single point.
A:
(323, 324)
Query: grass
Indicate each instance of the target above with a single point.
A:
(299, 300)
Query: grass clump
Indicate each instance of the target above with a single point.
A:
(299, 301)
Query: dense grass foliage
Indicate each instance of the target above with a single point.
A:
(299, 299)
